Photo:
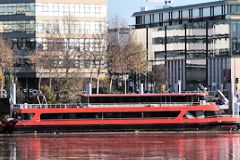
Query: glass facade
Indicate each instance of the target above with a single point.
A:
(194, 36)
(183, 14)
(195, 42)
(31, 19)
(26, 9)
(75, 10)
(77, 27)
(235, 28)
(80, 44)
(25, 26)
(71, 25)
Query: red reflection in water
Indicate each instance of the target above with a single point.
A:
(129, 146)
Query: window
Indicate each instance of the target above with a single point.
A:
(162, 114)
(175, 15)
(147, 19)
(55, 8)
(152, 18)
(190, 13)
(110, 115)
(212, 11)
(218, 10)
(206, 12)
(166, 16)
(138, 20)
(195, 13)
(156, 18)
(185, 14)
(201, 12)
(160, 17)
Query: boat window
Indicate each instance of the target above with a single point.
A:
(23, 116)
(110, 115)
(145, 98)
(163, 114)
(198, 98)
(71, 116)
(179, 99)
(114, 115)
(201, 114)
(211, 113)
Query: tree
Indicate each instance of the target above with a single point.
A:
(56, 58)
(6, 60)
(125, 59)
(113, 58)
(44, 62)
(157, 76)
(134, 59)
(99, 55)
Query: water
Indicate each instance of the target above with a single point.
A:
(91, 146)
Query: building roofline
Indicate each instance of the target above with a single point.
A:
(199, 5)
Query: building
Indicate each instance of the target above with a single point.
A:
(121, 34)
(198, 44)
(37, 24)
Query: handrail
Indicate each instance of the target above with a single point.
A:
(104, 105)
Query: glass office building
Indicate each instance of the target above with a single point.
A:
(198, 44)
(28, 23)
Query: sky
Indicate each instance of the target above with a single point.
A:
(125, 8)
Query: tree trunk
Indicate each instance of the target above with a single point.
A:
(91, 75)
(98, 82)
(1, 82)
(154, 86)
(50, 79)
(110, 85)
(67, 76)
(40, 78)
(98, 78)
(1, 89)
(90, 88)
(125, 84)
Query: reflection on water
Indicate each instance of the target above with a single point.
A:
(121, 146)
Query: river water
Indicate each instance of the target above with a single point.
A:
(112, 146)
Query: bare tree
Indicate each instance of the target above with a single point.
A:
(99, 53)
(6, 59)
(115, 44)
(59, 54)
(133, 59)
(44, 62)
(113, 58)
(125, 59)
(37, 59)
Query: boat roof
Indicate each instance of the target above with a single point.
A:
(143, 95)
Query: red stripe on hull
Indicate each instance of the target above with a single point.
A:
(130, 121)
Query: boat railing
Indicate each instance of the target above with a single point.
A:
(105, 105)
(193, 92)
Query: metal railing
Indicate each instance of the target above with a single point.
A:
(106, 105)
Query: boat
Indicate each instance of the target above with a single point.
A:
(6, 124)
(126, 112)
